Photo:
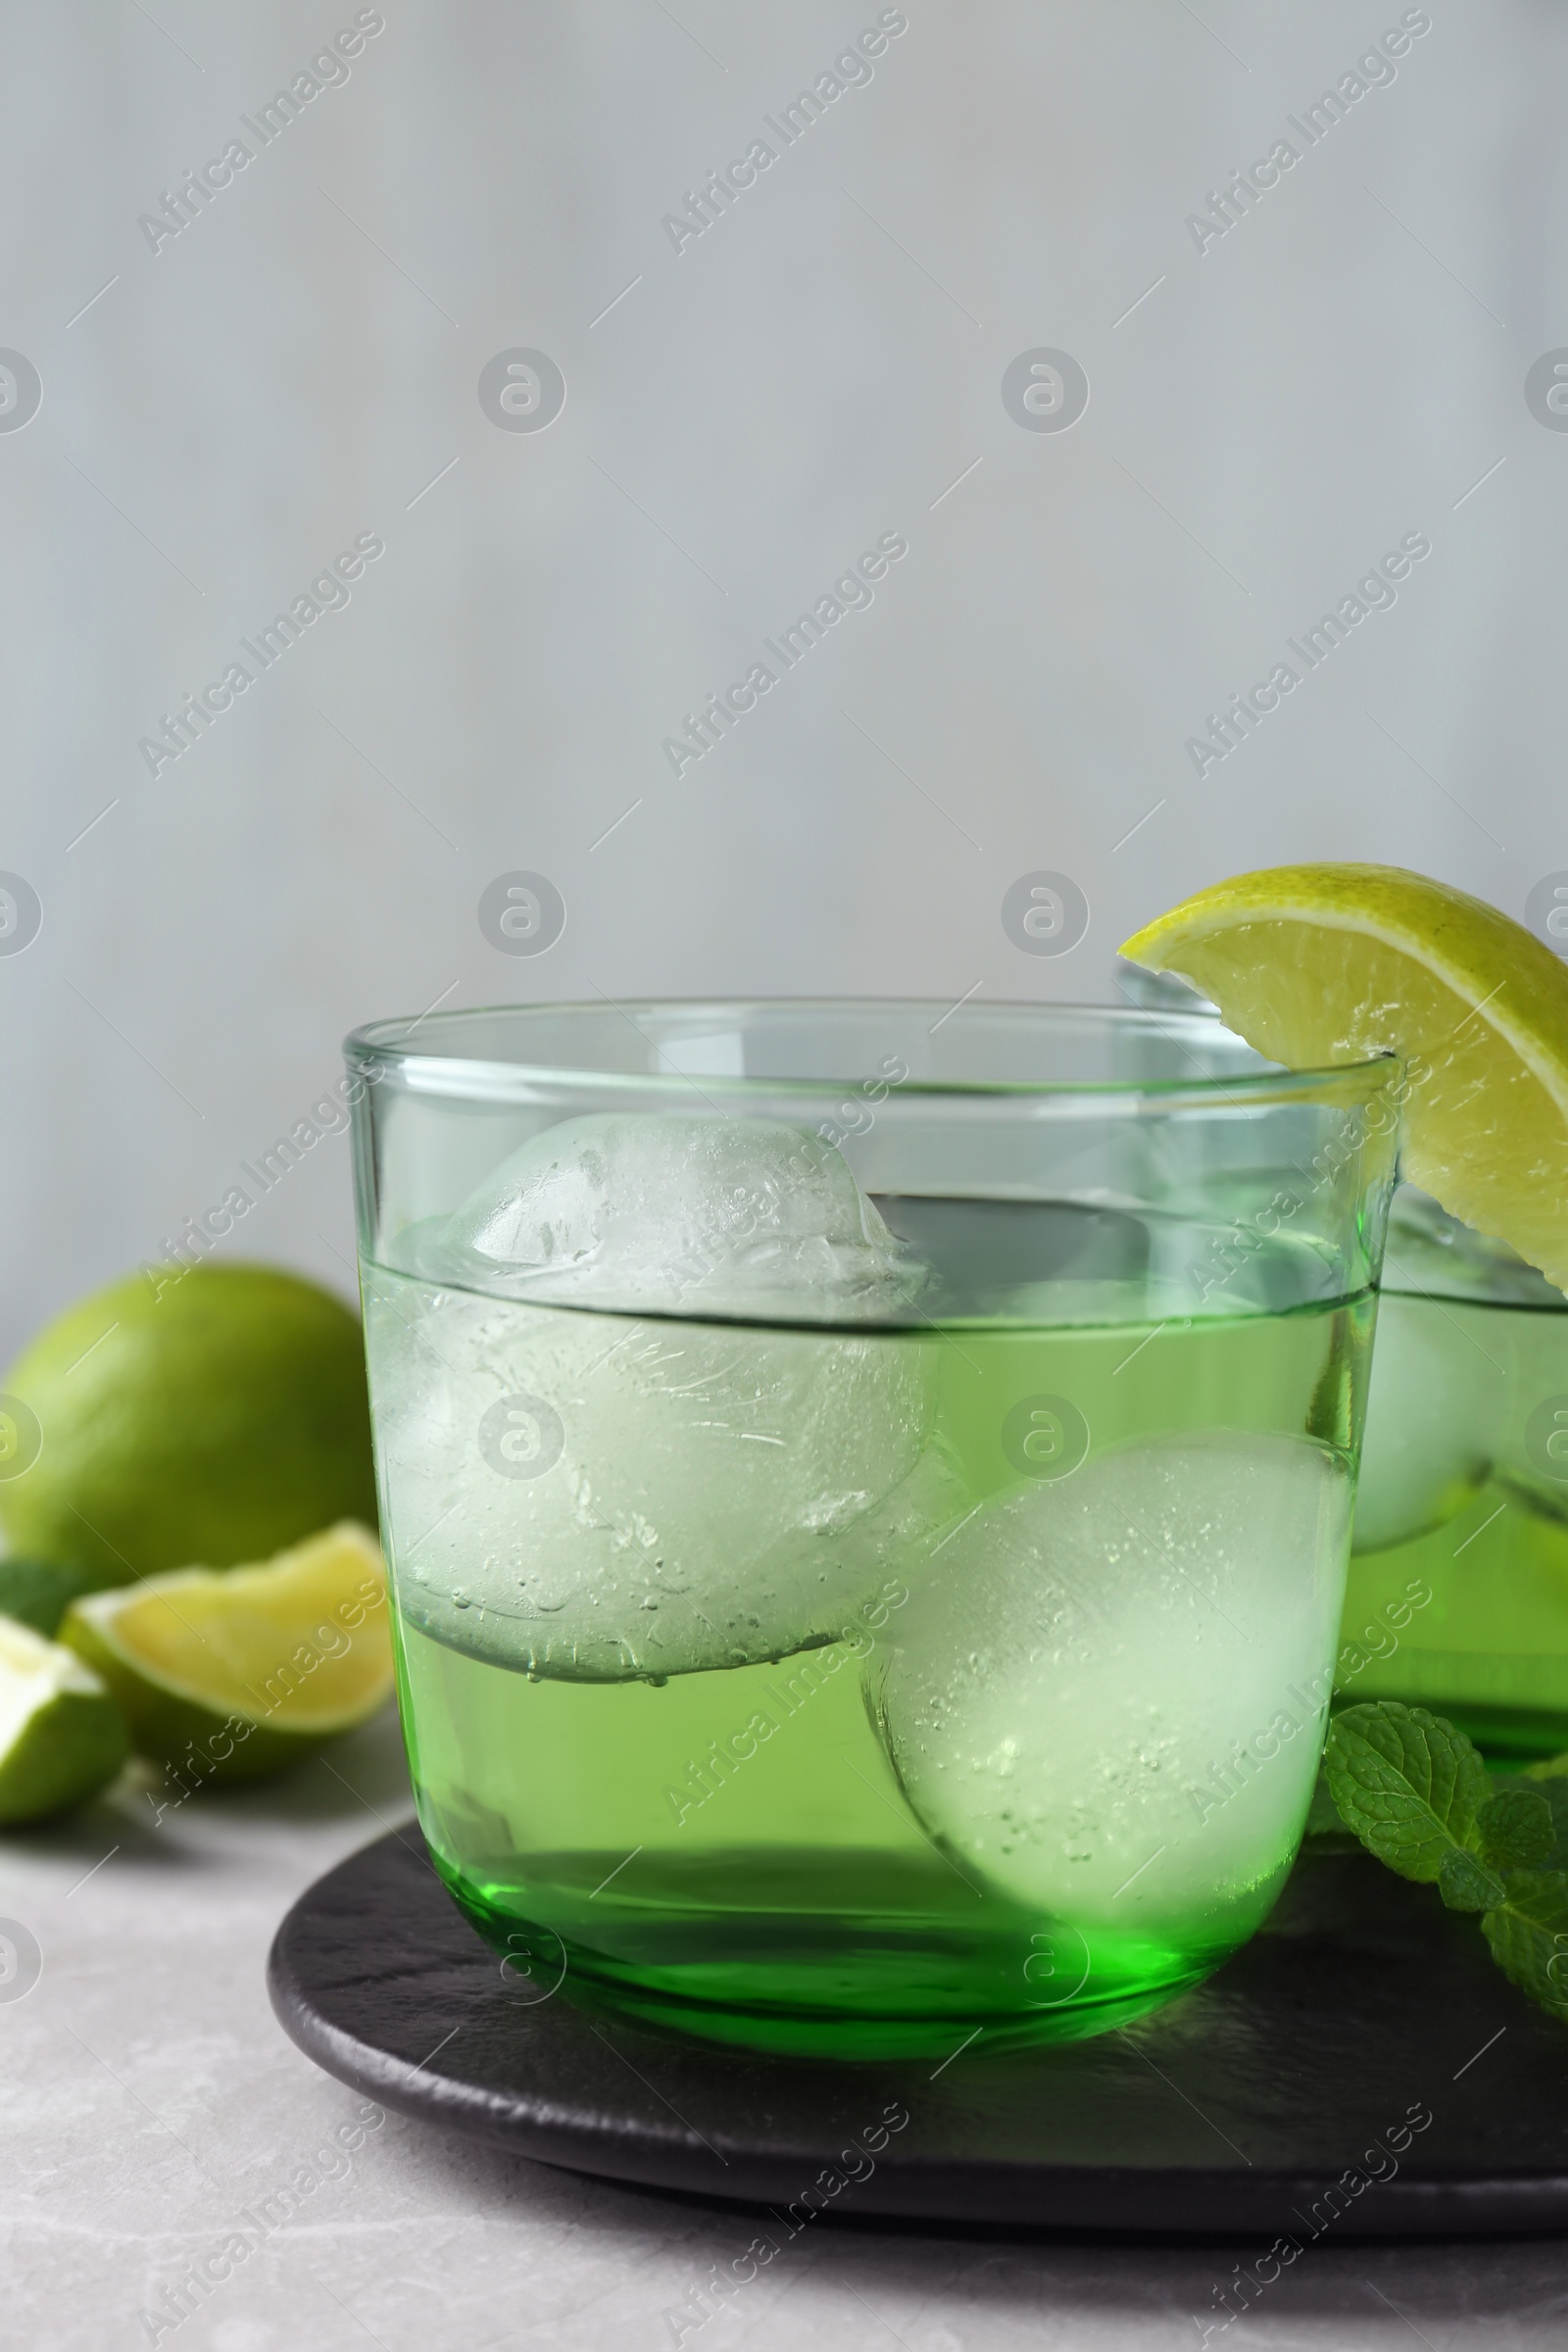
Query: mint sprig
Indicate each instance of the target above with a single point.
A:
(1417, 1793)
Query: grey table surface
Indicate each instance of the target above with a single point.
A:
(152, 2103)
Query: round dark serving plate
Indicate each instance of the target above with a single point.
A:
(1283, 2098)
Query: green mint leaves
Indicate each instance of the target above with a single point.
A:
(1528, 1932)
(1407, 1784)
(1517, 1831)
(1416, 1792)
(1466, 1885)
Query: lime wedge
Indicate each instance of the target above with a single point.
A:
(1318, 965)
(227, 1676)
(61, 1734)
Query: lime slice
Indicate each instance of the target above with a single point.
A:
(1318, 965)
(61, 1734)
(213, 1415)
(230, 1675)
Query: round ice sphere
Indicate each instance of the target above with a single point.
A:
(1107, 1696)
(1533, 1450)
(594, 1495)
(1435, 1410)
(680, 1215)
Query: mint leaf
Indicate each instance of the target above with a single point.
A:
(1515, 1830)
(1465, 1885)
(1408, 1783)
(1551, 1781)
(1528, 1932)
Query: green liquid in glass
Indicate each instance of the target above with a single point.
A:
(815, 1851)
(1461, 1603)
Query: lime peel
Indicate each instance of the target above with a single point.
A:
(213, 1419)
(61, 1738)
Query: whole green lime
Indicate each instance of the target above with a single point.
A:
(211, 1423)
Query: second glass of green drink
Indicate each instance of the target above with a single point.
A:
(1459, 1592)
(867, 1491)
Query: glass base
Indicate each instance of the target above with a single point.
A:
(852, 1954)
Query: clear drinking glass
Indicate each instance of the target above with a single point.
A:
(868, 1490)
(1459, 1592)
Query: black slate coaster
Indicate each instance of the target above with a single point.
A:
(1265, 2102)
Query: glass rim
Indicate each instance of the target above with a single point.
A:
(378, 1049)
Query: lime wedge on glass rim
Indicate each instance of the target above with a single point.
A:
(230, 1674)
(1319, 964)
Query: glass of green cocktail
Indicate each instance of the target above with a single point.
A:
(1458, 1591)
(868, 1492)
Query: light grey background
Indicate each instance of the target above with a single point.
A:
(302, 361)
(300, 366)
